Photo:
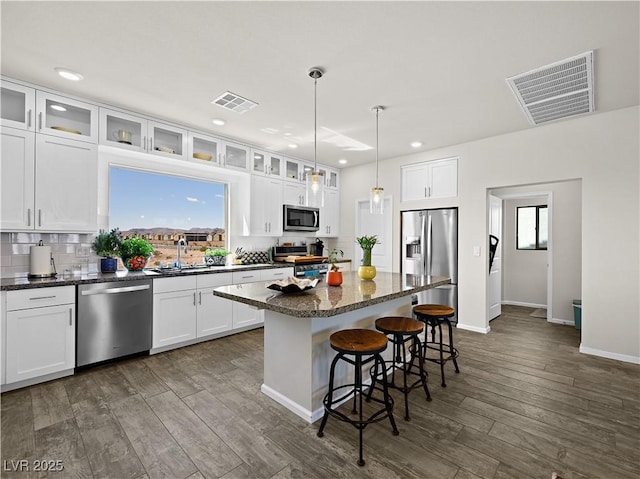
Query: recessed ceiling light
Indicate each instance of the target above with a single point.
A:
(416, 144)
(58, 108)
(292, 145)
(342, 161)
(287, 134)
(218, 122)
(68, 74)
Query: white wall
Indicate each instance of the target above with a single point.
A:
(603, 150)
(524, 272)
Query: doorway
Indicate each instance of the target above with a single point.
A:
(522, 277)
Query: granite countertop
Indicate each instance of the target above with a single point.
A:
(325, 301)
(22, 282)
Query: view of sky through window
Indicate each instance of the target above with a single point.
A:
(146, 200)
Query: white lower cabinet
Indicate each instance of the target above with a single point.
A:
(174, 310)
(214, 313)
(244, 314)
(40, 332)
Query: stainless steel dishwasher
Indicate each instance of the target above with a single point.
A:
(114, 320)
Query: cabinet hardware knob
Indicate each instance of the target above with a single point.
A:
(194, 298)
(39, 217)
(70, 316)
(40, 121)
(28, 216)
(29, 119)
(199, 297)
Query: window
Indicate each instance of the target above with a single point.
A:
(532, 227)
(164, 208)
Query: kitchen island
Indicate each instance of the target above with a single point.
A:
(297, 326)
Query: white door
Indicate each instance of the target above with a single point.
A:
(379, 225)
(495, 274)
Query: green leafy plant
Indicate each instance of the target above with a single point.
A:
(106, 244)
(216, 252)
(333, 258)
(135, 252)
(367, 243)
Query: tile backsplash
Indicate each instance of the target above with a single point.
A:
(70, 251)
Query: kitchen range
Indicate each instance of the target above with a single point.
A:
(304, 265)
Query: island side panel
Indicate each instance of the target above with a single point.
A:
(297, 354)
(288, 362)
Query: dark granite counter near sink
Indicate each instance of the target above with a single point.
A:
(23, 282)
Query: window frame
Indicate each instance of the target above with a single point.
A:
(537, 246)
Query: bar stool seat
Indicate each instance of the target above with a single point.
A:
(403, 330)
(435, 315)
(358, 347)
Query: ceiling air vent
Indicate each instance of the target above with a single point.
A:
(556, 91)
(234, 102)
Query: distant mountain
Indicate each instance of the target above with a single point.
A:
(171, 231)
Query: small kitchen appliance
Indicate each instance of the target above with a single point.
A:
(304, 265)
(301, 218)
(41, 263)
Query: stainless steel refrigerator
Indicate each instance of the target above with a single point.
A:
(430, 247)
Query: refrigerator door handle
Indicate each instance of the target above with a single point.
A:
(429, 257)
(423, 256)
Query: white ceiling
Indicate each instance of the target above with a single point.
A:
(438, 67)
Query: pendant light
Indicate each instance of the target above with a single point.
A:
(376, 197)
(314, 192)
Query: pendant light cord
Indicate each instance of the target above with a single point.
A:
(377, 112)
(315, 124)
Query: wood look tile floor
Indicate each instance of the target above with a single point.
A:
(526, 404)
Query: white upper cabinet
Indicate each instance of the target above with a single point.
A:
(266, 206)
(139, 134)
(17, 170)
(235, 156)
(66, 118)
(430, 180)
(205, 149)
(123, 130)
(295, 170)
(17, 106)
(265, 163)
(66, 181)
(330, 215)
(166, 140)
(48, 183)
(293, 193)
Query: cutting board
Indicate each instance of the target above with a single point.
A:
(300, 259)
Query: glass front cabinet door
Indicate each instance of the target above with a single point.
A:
(66, 118)
(122, 130)
(17, 106)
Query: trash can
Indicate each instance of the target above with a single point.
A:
(577, 313)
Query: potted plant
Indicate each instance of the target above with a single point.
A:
(135, 252)
(106, 245)
(216, 257)
(334, 275)
(366, 271)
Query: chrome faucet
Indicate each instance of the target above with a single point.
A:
(181, 242)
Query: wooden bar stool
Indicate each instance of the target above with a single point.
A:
(435, 315)
(357, 347)
(403, 330)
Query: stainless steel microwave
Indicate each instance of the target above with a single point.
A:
(301, 218)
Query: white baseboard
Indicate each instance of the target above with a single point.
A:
(562, 321)
(520, 303)
(292, 406)
(609, 355)
(475, 329)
